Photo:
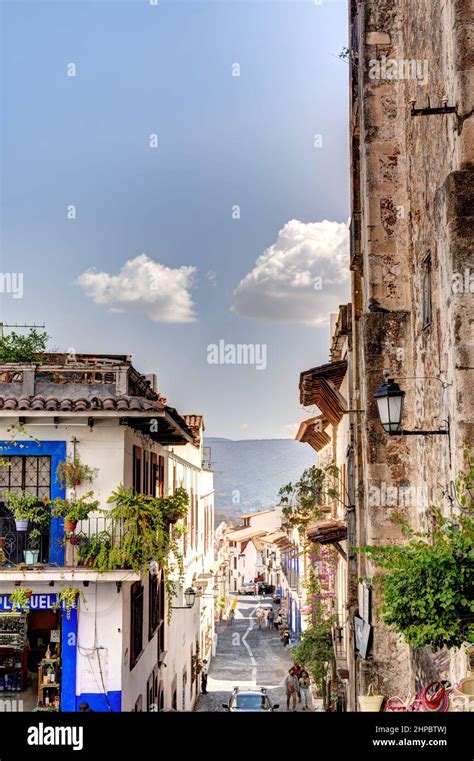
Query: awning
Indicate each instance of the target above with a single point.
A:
(311, 431)
(328, 532)
(320, 386)
(166, 427)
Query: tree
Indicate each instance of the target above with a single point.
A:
(17, 348)
(305, 498)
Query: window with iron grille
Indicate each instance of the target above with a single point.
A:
(26, 473)
(32, 475)
(136, 623)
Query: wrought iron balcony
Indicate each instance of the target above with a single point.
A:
(75, 550)
(21, 547)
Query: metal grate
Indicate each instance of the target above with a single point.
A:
(26, 473)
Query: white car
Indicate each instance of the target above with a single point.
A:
(249, 700)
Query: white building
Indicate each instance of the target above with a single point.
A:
(244, 549)
(116, 651)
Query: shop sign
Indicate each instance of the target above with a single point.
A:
(36, 602)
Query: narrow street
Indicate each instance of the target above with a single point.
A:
(247, 657)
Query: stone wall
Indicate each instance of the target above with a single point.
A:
(412, 181)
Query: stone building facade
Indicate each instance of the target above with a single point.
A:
(412, 147)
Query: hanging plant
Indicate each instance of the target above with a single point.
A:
(67, 599)
(142, 532)
(20, 599)
(72, 472)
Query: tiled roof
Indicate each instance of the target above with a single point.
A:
(326, 532)
(257, 512)
(56, 404)
(196, 424)
(312, 432)
(240, 535)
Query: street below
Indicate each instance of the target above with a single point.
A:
(247, 657)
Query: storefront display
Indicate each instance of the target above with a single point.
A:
(13, 661)
(49, 683)
(30, 652)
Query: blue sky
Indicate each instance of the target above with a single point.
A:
(223, 141)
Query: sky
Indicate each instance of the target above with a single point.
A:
(174, 185)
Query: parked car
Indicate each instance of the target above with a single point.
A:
(249, 700)
(247, 589)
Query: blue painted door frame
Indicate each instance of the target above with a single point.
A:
(57, 451)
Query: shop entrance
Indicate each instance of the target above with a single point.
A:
(30, 659)
(44, 656)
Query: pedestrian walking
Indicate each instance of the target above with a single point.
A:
(265, 618)
(231, 617)
(259, 617)
(270, 619)
(255, 591)
(204, 675)
(291, 689)
(304, 683)
(277, 621)
(285, 637)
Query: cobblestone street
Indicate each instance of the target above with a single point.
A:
(247, 657)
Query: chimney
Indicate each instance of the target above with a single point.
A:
(153, 381)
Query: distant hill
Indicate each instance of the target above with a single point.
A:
(249, 473)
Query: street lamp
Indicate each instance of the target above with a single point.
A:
(389, 397)
(190, 597)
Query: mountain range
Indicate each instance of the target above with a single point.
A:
(248, 473)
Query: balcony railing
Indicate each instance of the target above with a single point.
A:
(339, 638)
(19, 548)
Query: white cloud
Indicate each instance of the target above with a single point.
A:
(283, 286)
(212, 277)
(290, 429)
(143, 285)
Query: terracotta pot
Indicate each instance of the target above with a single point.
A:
(74, 539)
(69, 526)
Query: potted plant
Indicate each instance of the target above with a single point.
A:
(20, 599)
(174, 507)
(67, 599)
(72, 472)
(24, 508)
(94, 551)
(31, 555)
(74, 510)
